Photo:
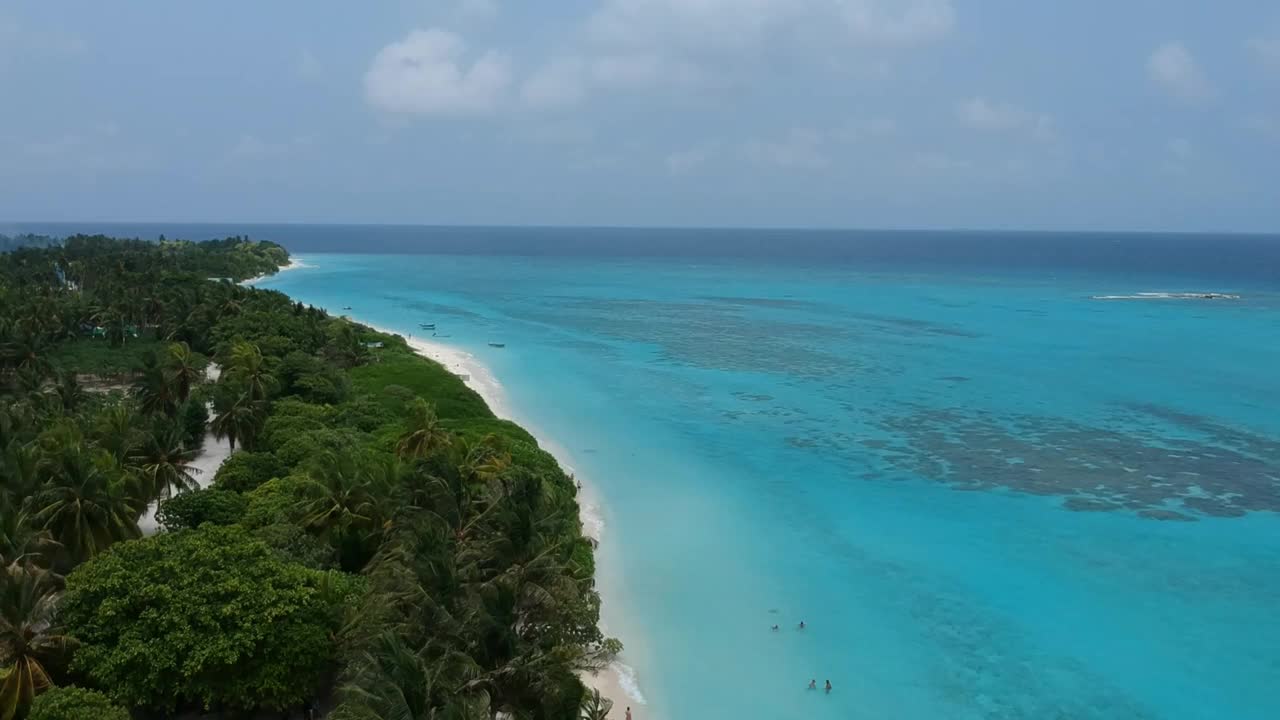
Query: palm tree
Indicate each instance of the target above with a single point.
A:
(21, 542)
(19, 467)
(113, 319)
(595, 706)
(68, 391)
(115, 430)
(30, 641)
(392, 681)
(240, 420)
(25, 350)
(185, 370)
(349, 498)
(164, 463)
(155, 388)
(424, 434)
(247, 370)
(84, 505)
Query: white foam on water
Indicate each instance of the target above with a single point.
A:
(1170, 296)
(627, 680)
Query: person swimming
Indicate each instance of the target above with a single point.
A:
(813, 684)
(801, 624)
(828, 688)
(774, 628)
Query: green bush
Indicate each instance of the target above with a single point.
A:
(204, 618)
(399, 366)
(97, 357)
(311, 444)
(294, 544)
(192, 509)
(275, 501)
(73, 703)
(364, 414)
(246, 471)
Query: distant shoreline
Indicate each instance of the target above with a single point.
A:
(294, 264)
(616, 682)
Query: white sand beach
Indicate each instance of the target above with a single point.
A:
(618, 681)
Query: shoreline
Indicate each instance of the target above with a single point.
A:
(617, 681)
(294, 264)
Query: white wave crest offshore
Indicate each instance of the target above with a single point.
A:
(1170, 296)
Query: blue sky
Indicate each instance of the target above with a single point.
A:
(1140, 114)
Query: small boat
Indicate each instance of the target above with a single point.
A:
(346, 307)
(497, 345)
(427, 326)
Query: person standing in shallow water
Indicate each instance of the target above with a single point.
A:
(813, 684)
(828, 688)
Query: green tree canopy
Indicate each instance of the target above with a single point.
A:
(206, 618)
(192, 509)
(73, 703)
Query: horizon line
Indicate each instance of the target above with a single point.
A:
(726, 228)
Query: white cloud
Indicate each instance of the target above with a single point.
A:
(692, 46)
(1175, 70)
(802, 148)
(558, 84)
(979, 113)
(1266, 50)
(565, 82)
(426, 74)
(887, 22)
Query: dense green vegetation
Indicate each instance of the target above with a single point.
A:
(379, 545)
(73, 703)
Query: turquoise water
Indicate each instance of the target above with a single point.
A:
(987, 494)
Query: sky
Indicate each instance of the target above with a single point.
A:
(1006, 114)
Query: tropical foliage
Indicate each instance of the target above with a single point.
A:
(377, 537)
(73, 703)
(209, 618)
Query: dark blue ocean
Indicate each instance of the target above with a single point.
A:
(988, 491)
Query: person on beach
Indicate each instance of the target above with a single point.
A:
(813, 684)
(828, 689)
(628, 712)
